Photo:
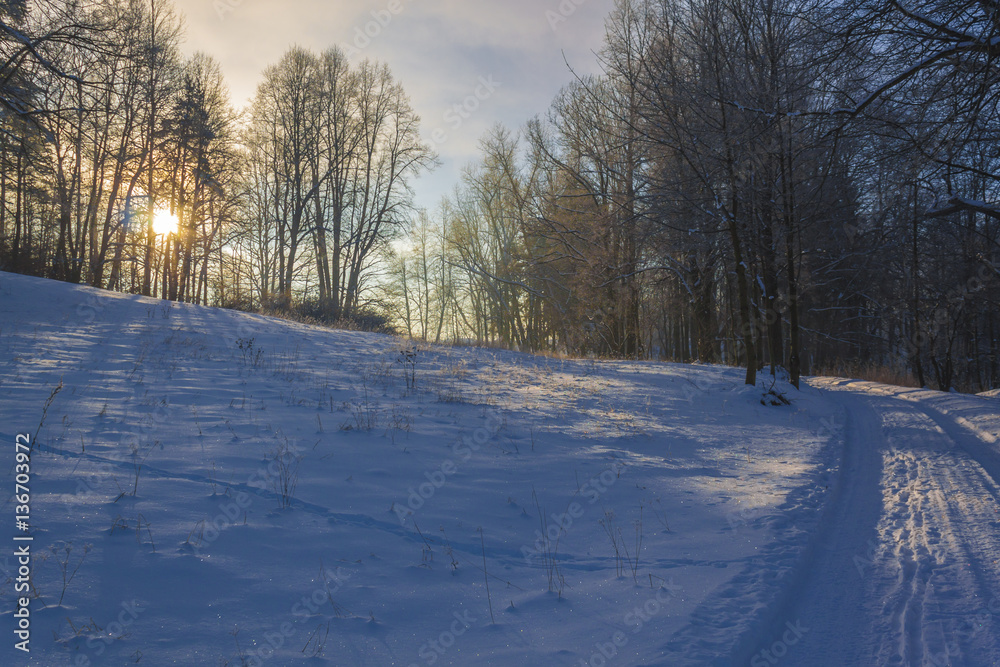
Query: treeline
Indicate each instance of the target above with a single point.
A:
(807, 185)
(105, 130)
(796, 184)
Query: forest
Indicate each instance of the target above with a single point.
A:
(792, 186)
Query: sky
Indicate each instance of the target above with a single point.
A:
(512, 53)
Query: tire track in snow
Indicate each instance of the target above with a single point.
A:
(749, 609)
(908, 570)
(928, 570)
(827, 577)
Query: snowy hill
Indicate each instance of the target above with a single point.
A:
(215, 488)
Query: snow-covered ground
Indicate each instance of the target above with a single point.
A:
(214, 488)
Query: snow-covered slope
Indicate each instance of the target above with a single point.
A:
(214, 488)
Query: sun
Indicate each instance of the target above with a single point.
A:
(164, 222)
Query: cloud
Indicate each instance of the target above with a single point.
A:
(438, 49)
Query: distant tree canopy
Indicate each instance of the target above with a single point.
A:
(807, 185)
(799, 184)
(107, 130)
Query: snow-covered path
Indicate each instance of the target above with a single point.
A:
(906, 569)
(491, 508)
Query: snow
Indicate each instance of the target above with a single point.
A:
(235, 489)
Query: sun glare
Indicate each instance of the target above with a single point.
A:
(164, 222)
